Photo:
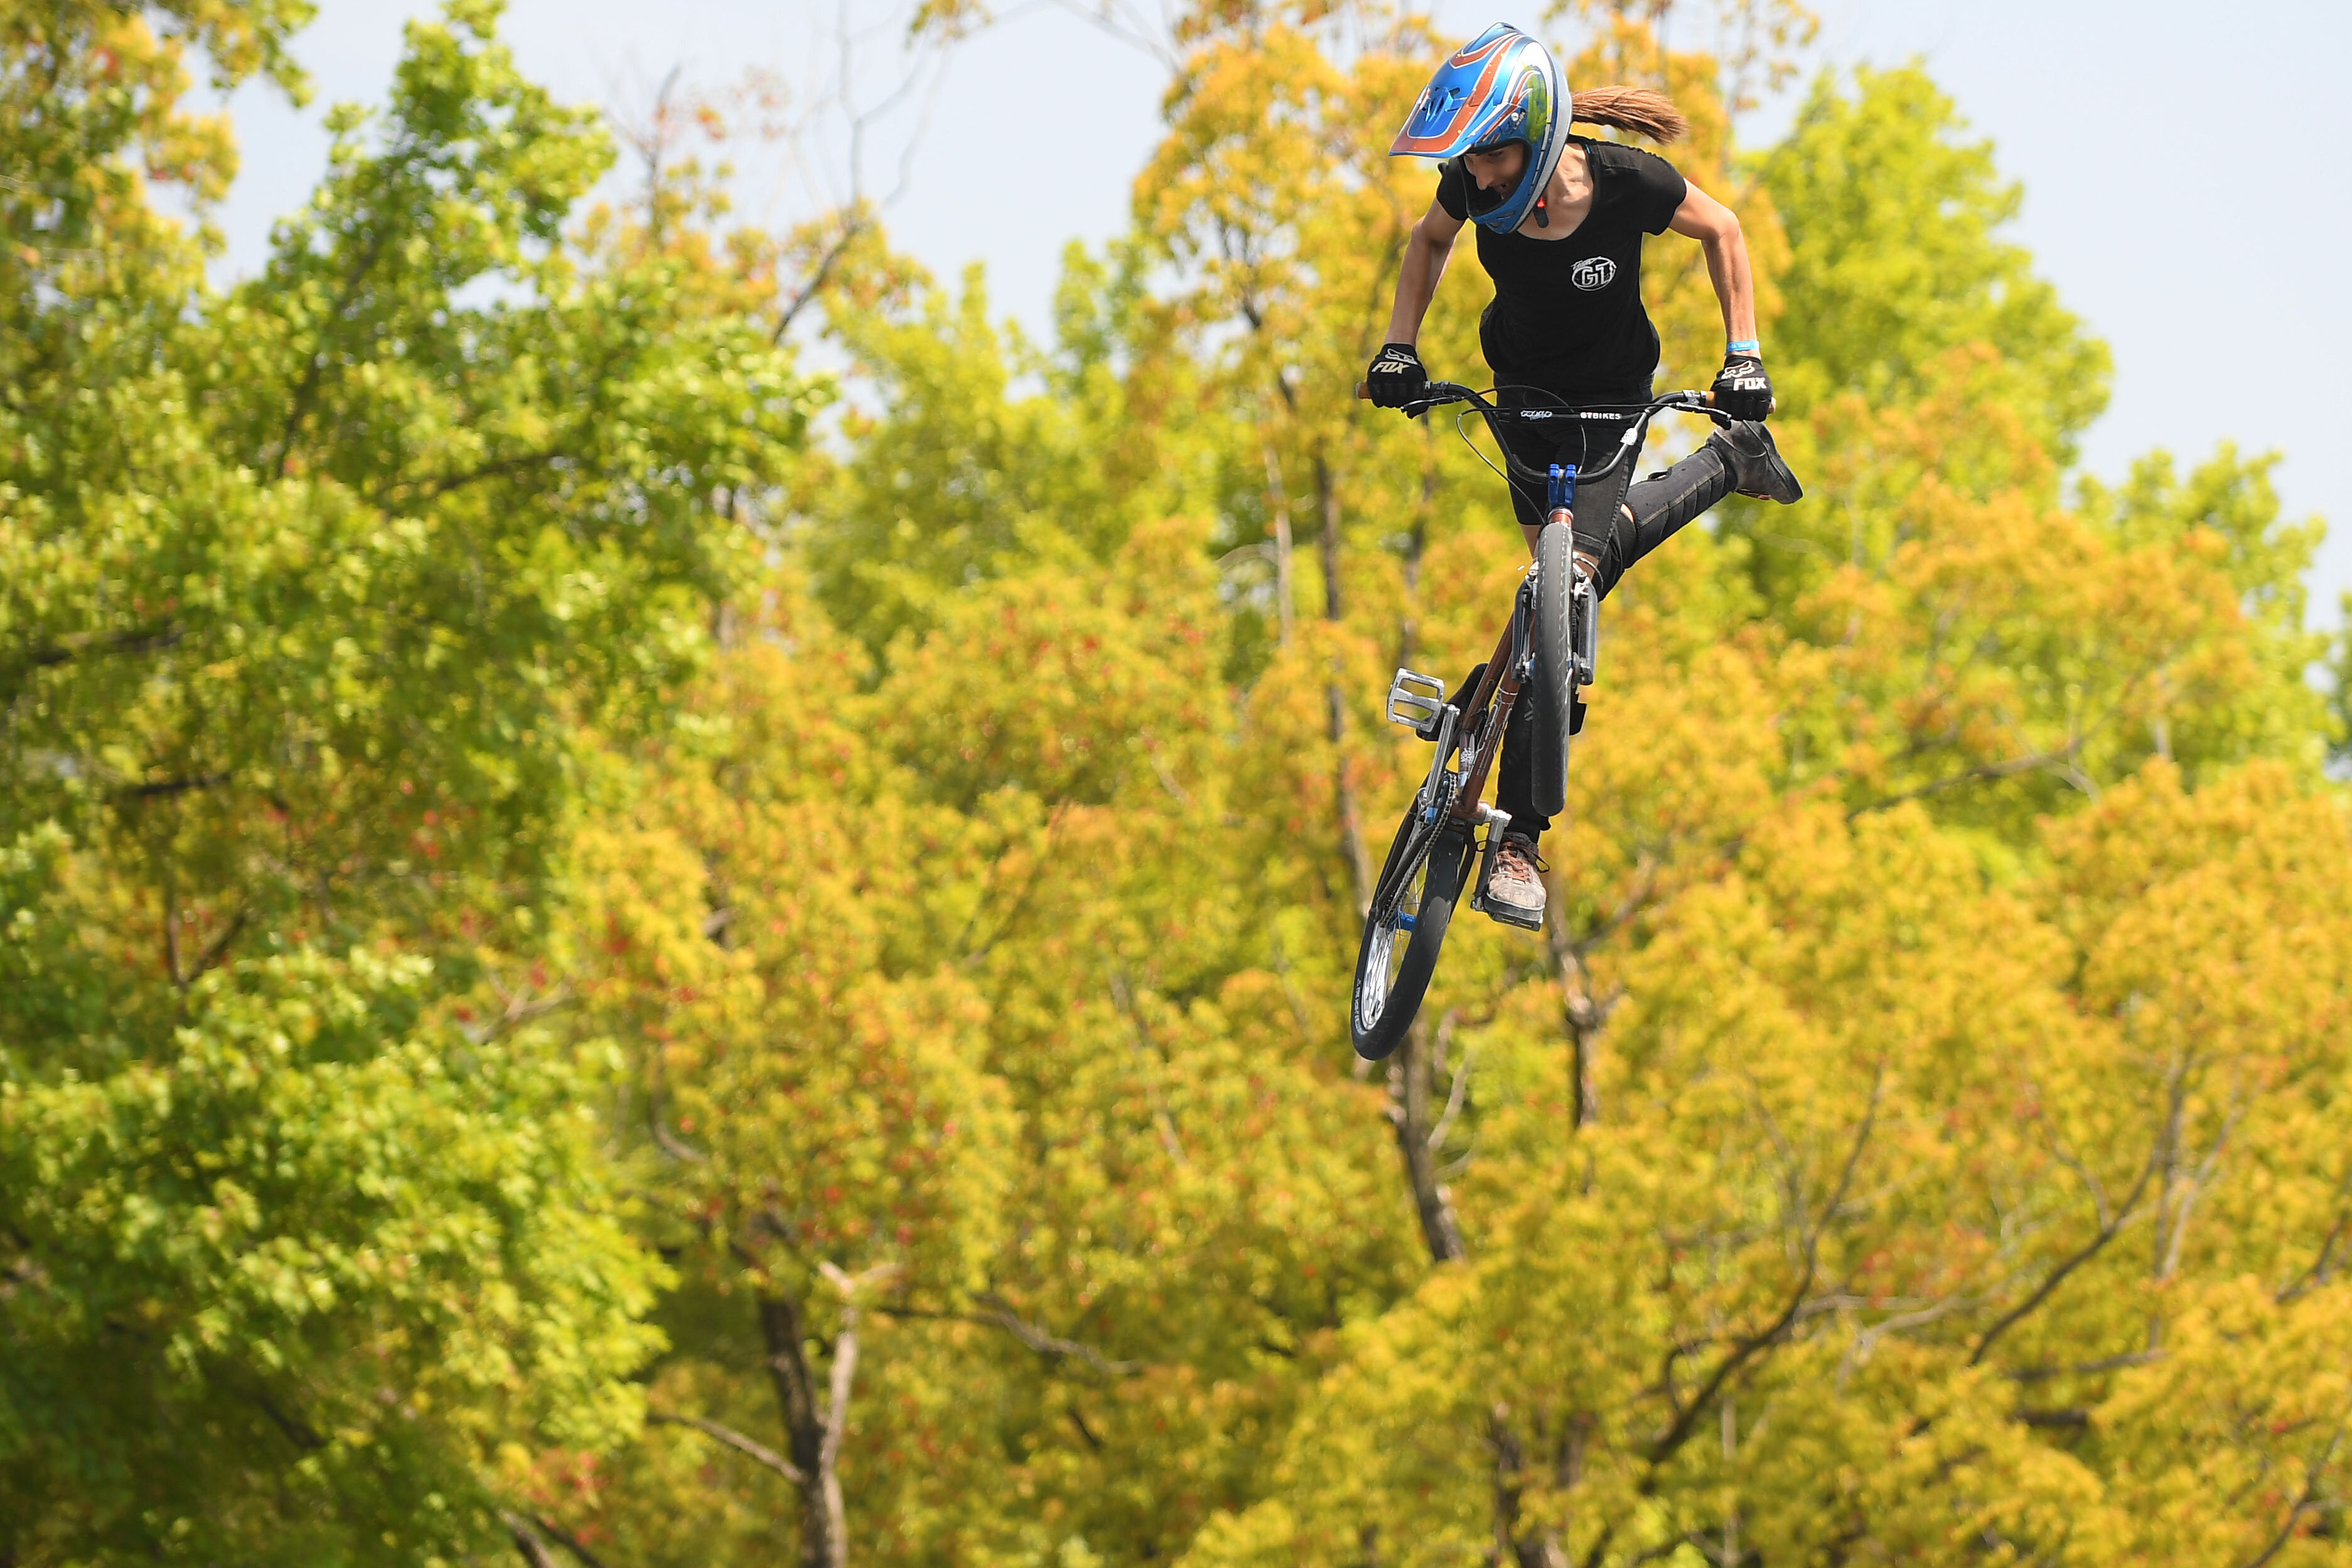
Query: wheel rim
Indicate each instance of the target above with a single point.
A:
(1384, 946)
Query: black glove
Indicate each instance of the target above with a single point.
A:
(1741, 388)
(1396, 376)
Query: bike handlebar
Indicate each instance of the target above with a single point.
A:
(1440, 392)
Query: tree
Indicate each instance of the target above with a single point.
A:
(313, 594)
(586, 975)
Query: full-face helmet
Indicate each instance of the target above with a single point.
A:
(1501, 86)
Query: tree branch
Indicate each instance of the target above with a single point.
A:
(298, 409)
(212, 950)
(165, 788)
(670, 1143)
(1049, 1344)
(2086, 1368)
(749, 1447)
(818, 279)
(1686, 1421)
(527, 1541)
(1147, 1060)
(2111, 1227)
(1001, 1315)
(67, 648)
(1408, 1111)
(433, 489)
(2323, 1266)
(2305, 1503)
(566, 1540)
(1985, 774)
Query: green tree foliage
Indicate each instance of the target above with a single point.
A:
(588, 977)
(315, 594)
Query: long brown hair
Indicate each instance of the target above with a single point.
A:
(1635, 108)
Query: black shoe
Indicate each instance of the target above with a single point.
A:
(1757, 468)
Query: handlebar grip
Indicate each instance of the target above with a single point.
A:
(1363, 392)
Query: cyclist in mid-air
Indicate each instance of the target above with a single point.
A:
(1560, 221)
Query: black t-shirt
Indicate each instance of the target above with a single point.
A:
(1567, 314)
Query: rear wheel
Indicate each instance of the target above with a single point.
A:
(1413, 903)
(1552, 645)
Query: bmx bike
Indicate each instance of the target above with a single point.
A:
(1545, 656)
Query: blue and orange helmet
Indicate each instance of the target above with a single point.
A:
(1501, 86)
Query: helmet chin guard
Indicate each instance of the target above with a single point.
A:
(1502, 86)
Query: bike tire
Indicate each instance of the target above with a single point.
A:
(1551, 686)
(1422, 879)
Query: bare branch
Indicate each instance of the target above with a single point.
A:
(1985, 774)
(670, 1143)
(516, 1009)
(432, 489)
(566, 1540)
(2307, 1502)
(1050, 1344)
(1148, 1061)
(1457, 1092)
(749, 1447)
(854, 226)
(165, 788)
(2110, 1226)
(2323, 1266)
(1408, 1111)
(2086, 1369)
(526, 1539)
(836, 1404)
(73, 647)
(1686, 1422)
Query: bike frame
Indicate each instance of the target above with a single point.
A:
(1497, 691)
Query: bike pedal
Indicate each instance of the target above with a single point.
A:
(1416, 701)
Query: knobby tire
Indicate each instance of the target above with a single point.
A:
(1551, 686)
(1423, 878)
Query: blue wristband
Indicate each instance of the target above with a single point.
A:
(1745, 346)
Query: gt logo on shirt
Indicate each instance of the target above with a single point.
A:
(1594, 272)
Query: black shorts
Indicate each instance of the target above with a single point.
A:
(1541, 432)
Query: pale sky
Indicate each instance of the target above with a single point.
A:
(2176, 161)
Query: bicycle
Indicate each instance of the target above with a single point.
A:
(1549, 643)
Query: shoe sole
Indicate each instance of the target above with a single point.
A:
(1512, 915)
(1784, 478)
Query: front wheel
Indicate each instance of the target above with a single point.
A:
(1552, 650)
(1413, 903)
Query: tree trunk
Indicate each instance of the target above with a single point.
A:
(1539, 1546)
(1282, 548)
(814, 1424)
(1409, 1111)
(1351, 826)
(1584, 1016)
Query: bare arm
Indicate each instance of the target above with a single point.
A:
(1425, 263)
(1716, 228)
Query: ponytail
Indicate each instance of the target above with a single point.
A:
(1635, 108)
